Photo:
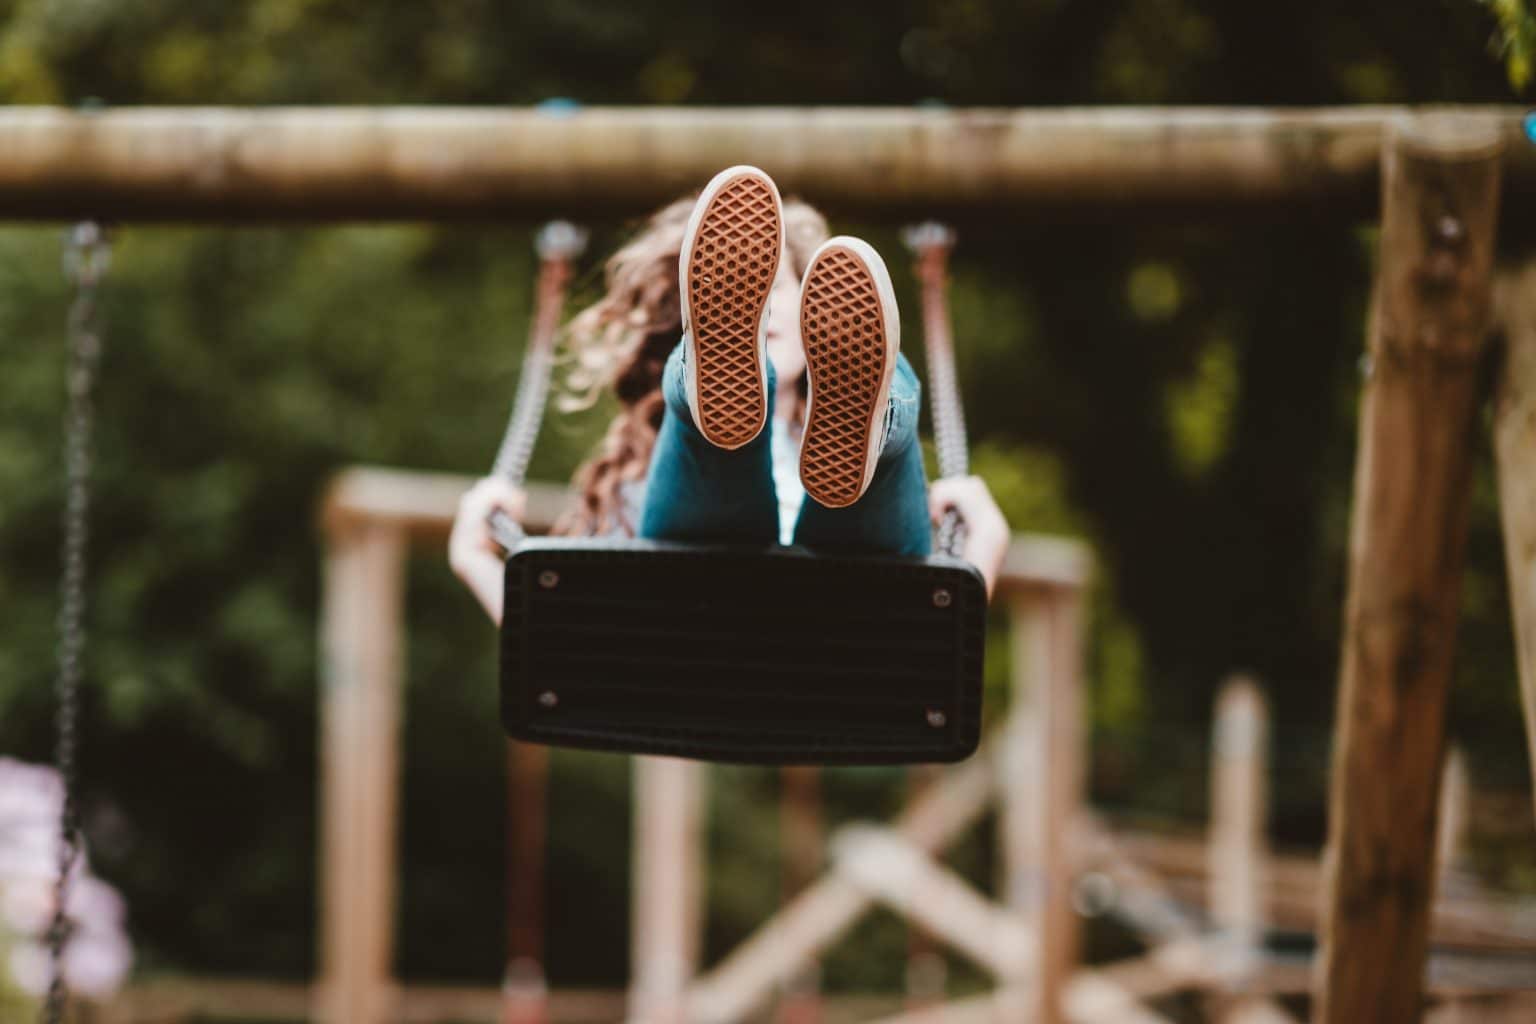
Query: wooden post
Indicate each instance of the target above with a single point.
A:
(802, 838)
(1239, 812)
(1021, 785)
(1515, 443)
(525, 996)
(1450, 840)
(1019, 788)
(361, 639)
(1047, 665)
(668, 883)
(927, 972)
(1440, 188)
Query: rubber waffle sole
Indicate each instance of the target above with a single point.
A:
(843, 331)
(731, 270)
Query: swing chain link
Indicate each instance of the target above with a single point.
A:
(559, 243)
(931, 243)
(87, 253)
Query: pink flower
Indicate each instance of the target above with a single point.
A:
(99, 954)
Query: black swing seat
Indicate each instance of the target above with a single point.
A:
(748, 655)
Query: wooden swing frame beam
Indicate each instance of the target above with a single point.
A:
(234, 165)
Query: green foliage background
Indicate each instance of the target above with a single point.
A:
(1183, 395)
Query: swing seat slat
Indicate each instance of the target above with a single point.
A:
(746, 655)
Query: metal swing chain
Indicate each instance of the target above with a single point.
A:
(86, 255)
(559, 243)
(932, 242)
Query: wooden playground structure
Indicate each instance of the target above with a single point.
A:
(1396, 932)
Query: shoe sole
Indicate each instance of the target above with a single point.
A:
(730, 257)
(851, 332)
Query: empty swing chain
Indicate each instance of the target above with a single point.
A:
(86, 255)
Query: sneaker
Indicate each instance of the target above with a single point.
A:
(851, 331)
(726, 268)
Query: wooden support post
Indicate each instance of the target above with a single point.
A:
(1515, 446)
(1440, 189)
(927, 972)
(1450, 840)
(668, 884)
(1022, 784)
(1019, 789)
(1239, 812)
(801, 839)
(1047, 670)
(362, 641)
(525, 994)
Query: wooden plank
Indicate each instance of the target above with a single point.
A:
(1140, 897)
(1239, 811)
(902, 877)
(1514, 442)
(362, 636)
(424, 503)
(1429, 319)
(315, 163)
(667, 922)
(1149, 869)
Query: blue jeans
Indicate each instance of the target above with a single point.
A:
(698, 492)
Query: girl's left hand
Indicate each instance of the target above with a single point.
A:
(473, 553)
(986, 531)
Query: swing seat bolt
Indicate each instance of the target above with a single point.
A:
(549, 579)
(549, 699)
(942, 598)
(937, 718)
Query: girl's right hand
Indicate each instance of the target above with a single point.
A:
(473, 553)
(986, 531)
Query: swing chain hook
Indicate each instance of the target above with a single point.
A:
(87, 253)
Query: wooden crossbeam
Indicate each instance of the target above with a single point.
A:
(350, 163)
(914, 885)
(920, 889)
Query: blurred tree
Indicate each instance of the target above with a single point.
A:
(1516, 40)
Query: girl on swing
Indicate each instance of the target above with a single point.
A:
(785, 414)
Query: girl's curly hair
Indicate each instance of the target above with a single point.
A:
(622, 341)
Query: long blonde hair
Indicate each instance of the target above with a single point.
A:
(622, 341)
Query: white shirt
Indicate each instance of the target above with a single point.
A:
(786, 477)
